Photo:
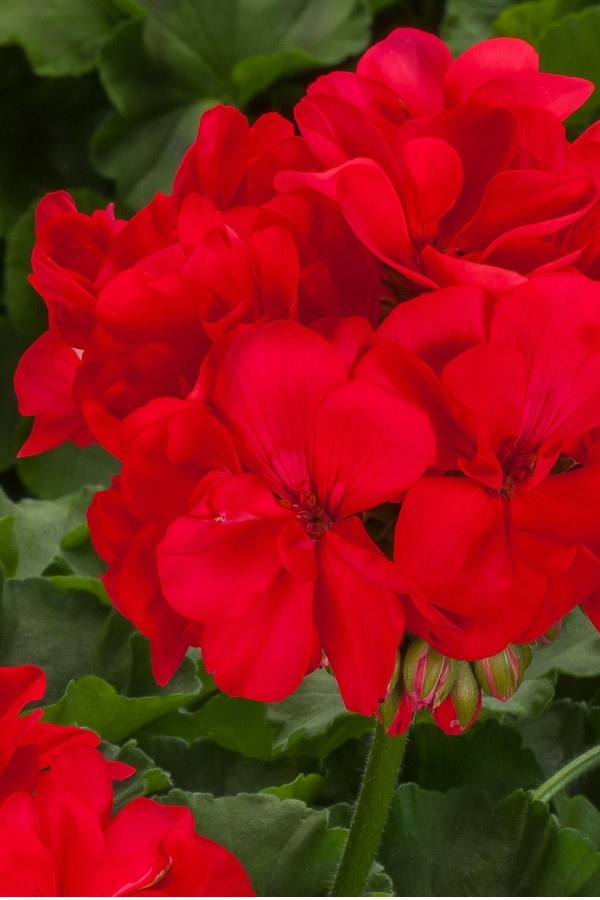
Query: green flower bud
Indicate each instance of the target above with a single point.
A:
(427, 674)
(500, 675)
(389, 705)
(465, 693)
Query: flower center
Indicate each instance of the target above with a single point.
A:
(517, 474)
(309, 513)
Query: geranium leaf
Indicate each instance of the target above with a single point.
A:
(61, 37)
(488, 755)
(466, 22)
(529, 20)
(40, 526)
(458, 843)
(161, 74)
(206, 767)
(286, 847)
(92, 703)
(314, 717)
(148, 778)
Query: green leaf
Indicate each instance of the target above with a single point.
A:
(556, 736)
(60, 37)
(238, 48)
(286, 848)
(304, 787)
(47, 124)
(580, 814)
(11, 348)
(39, 527)
(459, 844)
(157, 113)
(57, 631)
(488, 755)
(9, 553)
(161, 74)
(69, 633)
(24, 306)
(570, 47)
(65, 469)
(576, 651)
(206, 767)
(529, 20)
(148, 778)
(92, 703)
(79, 583)
(232, 722)
(314, 717)
(466, 22)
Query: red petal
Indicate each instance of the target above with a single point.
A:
(413, 63)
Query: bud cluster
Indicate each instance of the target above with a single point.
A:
(450, 688)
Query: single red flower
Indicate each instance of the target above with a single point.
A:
(62, 841)
(275, 562)
(508, 545)
(449, 172)
(26, 744)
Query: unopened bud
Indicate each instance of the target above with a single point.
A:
(404, 715)
(428, 675)
(389, 705)
(501, 675)
(461, 708)
(465, 695)
(550, 635)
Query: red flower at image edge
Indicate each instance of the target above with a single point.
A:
(26, 744)
(62, 841)
(508, 545)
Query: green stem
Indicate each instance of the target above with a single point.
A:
(568, 773)
(370, 813)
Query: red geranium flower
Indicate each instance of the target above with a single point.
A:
(448, 172)
(275, 562)
(61, 841)
(26, 744)
(135, 307)
(508, 546)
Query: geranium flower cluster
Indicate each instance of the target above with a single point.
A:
(400, 306)
(58, 836)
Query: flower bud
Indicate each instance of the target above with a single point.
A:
(427, 674)
(462, 706)
(446, 715)
(388, 707)
(500, 675)
(404, 716)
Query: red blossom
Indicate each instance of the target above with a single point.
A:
(63, 841)
(505, 549)
(275, 562)
(26, 744)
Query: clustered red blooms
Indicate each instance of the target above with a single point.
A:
(399, 306)
(58, 836)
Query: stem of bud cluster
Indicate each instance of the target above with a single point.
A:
(370, 814)
(568, 773)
